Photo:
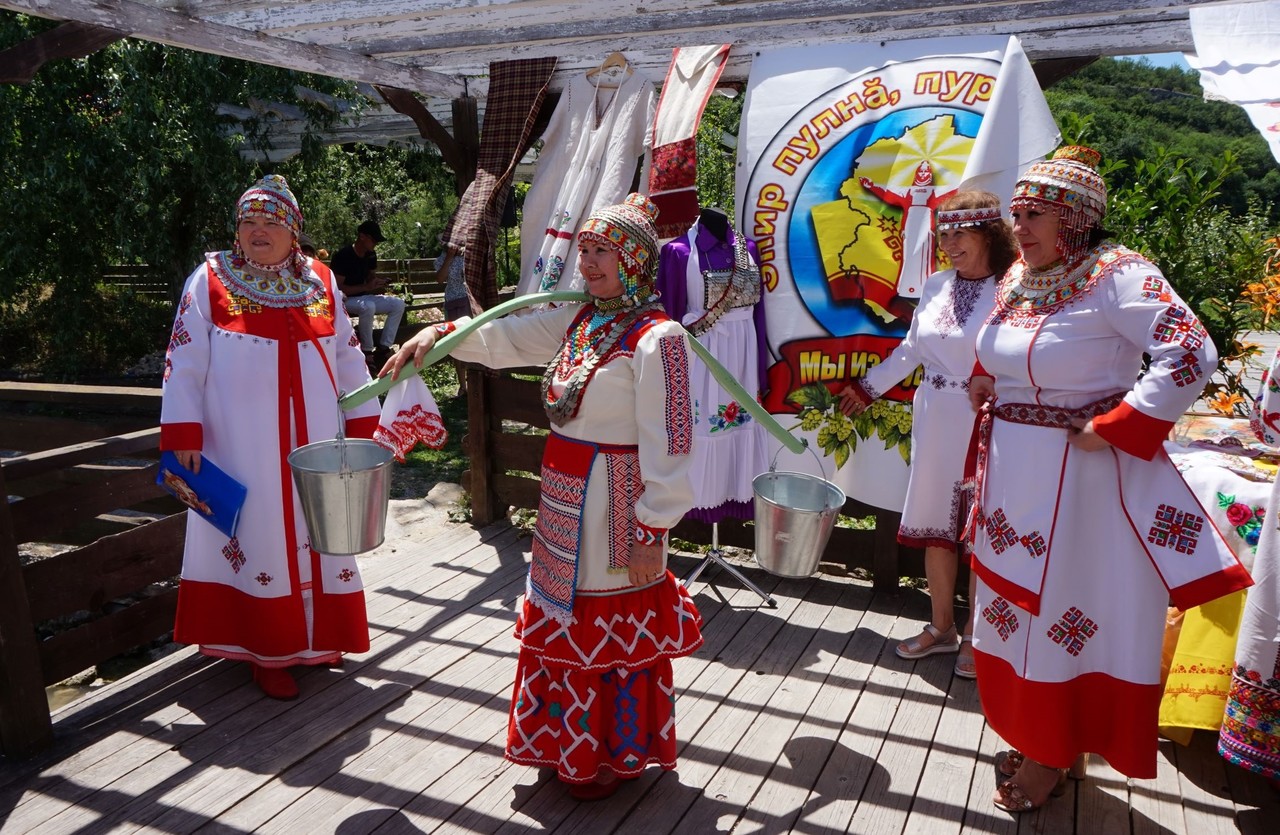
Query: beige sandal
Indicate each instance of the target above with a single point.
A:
(939, 642)
(966, 667)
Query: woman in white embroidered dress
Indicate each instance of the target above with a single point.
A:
(259, 350)
(955, 303)
(1083, 529)
(602, 617)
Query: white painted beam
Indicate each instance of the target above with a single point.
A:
(174, 29)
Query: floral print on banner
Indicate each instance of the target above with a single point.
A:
(1246, 520)
(729, 416)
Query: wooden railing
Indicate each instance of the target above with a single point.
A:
(505, 456)
(108, 594)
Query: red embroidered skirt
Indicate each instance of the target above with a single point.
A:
(598, 696)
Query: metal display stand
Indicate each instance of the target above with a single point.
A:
(717, 556)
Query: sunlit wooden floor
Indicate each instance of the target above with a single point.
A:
(795, 719)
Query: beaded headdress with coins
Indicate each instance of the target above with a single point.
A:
(1069, 185)
(629, 228)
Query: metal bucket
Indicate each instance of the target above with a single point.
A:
(344, 486)
(794, 517)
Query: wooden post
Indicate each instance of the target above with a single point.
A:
(466, 138)
(484, 500)
(884, 555)
(24, 710)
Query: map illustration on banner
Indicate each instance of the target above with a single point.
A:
(838, 187)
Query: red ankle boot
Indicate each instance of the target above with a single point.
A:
(276, 682)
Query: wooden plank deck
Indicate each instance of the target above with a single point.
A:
(799, 719)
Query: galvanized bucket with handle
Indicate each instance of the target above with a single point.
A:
(344, 486)
(794, 516)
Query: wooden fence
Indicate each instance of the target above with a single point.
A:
(116, 588)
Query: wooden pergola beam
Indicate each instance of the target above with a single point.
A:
(20, 62)
(162, 26)
(405, 102)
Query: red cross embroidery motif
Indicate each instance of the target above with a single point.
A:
(264, 578)
(234, 554)
(179, 335)
(1001, 615)
(1178, 325)
(1176, 529)
(1072, 630)
(345, 575)
(1003, 536)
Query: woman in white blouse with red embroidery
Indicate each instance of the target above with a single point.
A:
(954, 304)
(603, 617)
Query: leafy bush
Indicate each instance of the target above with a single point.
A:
(1166, 209)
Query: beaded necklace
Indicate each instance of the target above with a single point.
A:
(1045, 290)
(585, 348)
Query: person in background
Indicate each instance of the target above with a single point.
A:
(452, 268)
(257, 356)
(954, 304)
(355, 267)
(1083, 530)
(307, 246)
(602, 617)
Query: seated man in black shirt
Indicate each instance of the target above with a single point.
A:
(355, 270)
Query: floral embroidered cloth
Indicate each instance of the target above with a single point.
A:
(1228, 486)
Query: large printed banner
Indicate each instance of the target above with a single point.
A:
(844, 154)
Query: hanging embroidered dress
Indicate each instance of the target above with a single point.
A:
(941, 339)
(588, 160)
(594, 689)
(1078, 553)
(1250, 734)
(731, 448)
(245, 384)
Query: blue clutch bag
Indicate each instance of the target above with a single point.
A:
(212, 494)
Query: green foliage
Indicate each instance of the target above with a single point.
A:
(1129, 109)
(1166, 209)
(117, 158)
(407, 190)
(715, 161)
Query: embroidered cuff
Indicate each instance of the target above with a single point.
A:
(646, 535)
(1131, 431)
(445, 328)
(863, 391)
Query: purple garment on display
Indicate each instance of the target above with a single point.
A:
(672, 282)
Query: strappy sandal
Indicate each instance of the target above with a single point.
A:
(1008, 763)
(966, 667)
(940, 642)
(1011, 797)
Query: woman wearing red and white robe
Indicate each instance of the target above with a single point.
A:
(259, 351)
(1083, 528)
(602, 616)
